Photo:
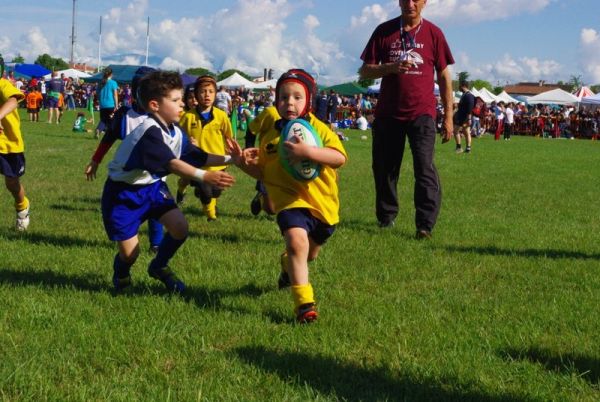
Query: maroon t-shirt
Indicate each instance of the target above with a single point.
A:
(409, 95)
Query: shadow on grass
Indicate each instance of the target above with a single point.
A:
(55, 240)
(344, 381)
(195, 209)
(202, 297)
(588, 368)
(528, 253)
(51, 279)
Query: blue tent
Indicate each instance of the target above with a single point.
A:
(188, 79)
(122, 73)
(31, 70)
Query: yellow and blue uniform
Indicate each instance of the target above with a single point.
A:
(320, 195)
(210, 131)
(11, 140)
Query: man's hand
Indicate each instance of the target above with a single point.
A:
(447, 130)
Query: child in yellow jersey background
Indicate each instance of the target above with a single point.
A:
(12, 157)
(208, 128)
(307, 211)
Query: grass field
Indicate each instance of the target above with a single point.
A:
(501, 305)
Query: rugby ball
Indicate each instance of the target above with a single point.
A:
(294, 129)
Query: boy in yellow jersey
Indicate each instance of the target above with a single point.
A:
(307, 211)
(12, 159)
(208, 128)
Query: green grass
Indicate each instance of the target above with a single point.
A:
(501, 305)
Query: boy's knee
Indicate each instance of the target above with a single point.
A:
(130, 257)
(297, 244)
(180, 230)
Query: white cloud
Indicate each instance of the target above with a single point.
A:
(481, 10)
(590, 55)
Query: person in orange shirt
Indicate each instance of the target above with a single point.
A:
(34, 100)
(60, 106)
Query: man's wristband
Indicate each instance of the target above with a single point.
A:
(227, 159)
(199, 174)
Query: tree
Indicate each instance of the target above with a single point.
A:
(18, 59)
(481, 84)
(51, 63)
(199, 71)
(230, 72)
(497, 90)
(595, 88)
(575, 82)
(463, 76)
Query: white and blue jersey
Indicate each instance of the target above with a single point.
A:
(135, 191)
(143, 156)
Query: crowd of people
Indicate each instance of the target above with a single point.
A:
(505, 119)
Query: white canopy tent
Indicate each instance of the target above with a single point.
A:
(70, 73)
(235, 81)
(555, 96)
(265, 84)
(506, 98)
(591, 100)
(486, 95)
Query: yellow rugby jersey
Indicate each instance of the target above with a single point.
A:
(11, 141)
(209, 134)
(264, 121)
(319, 195)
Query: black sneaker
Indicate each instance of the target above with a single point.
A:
(468, 150)
(121, 283)
(283, 281)
(168, 277)
(423, 234)
(284, 278)
(255, 205)
(154, 250)
(385, 225)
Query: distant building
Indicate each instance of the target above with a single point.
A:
(532, 88)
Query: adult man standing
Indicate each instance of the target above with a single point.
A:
(405, 52)
(462, 118)
(54, 89)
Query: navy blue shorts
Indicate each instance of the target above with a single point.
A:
(12, 165)
(51, 102)
(318, 231)
(125, 207)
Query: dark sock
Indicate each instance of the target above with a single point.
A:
(167, 249)
(121, 267)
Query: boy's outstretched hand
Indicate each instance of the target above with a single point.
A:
(218, 178)
(234, 150)
(90, 170)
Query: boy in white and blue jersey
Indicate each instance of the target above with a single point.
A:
(125, 120)
(135, 191)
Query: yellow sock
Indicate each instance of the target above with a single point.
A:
(302, 294)
(210, 209)
(19, 206)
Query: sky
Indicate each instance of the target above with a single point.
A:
(500, 41)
